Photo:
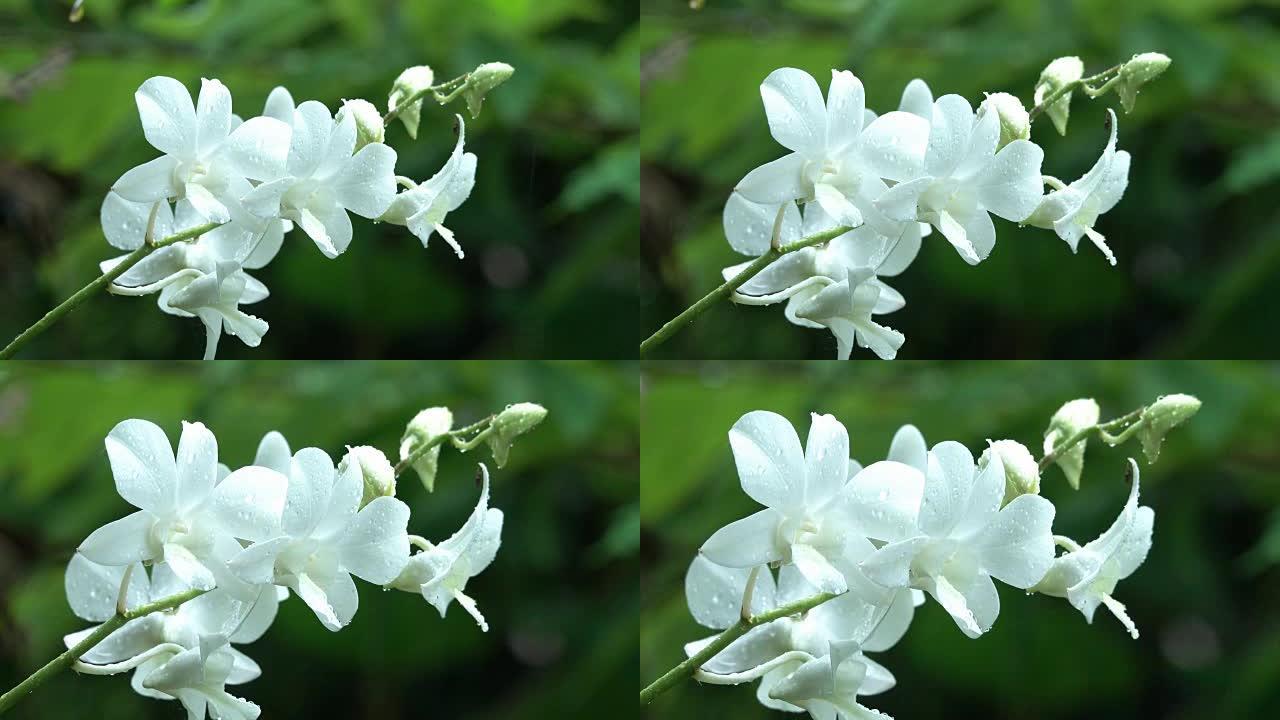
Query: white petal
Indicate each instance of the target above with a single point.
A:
(947, 488)
(1011, 186)
(311, 480)
(714, 592)
(900, 202)
(758, 646)
(890, 566)
(1137, 543)
(367, 182)
(883, 501)
(249, 502)
(893, 147)
(344, 501)
(1113, 184)
(197, 464)
(243, 668)
(187, 567)
(981, 234)
(92, 589)
(793, 104)
(894, 624)
(917, 99)
(376, 546)
(206, 204)
(279, 105)
(1017, 547)
(955, 234)
(329, 226)
(846, 101)
(974, 607)
(259, 618)
(817, 569)
(837, 205)
(121, 542)
(343, 597)
(256, 563)
(124, 222)
(747, 542)
(908, 447)
(882, 340)
(168, 116)
(903, 252)
(259, 148)
(143, 465)
(131, 640)
(316, 599)
(149, 182)
(748, 225)
(785, 272)
(826, 457)
(981, 146)
(775, 182)
(273, 452)
(213, 115)
(770, 462)
(951, 126)
(312, 126)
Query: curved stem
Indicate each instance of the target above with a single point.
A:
(97, 284)
(1106, 76)
(1131, 422)
(725, 290)
(454, 436)
(435, 91)
(68, 658)
(687, 668)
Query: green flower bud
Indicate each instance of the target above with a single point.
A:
(483, 79)
(512, 422)
(1070, 419)
(1055, 76)
(1163, 415)
(368, 120)
(1139, 71)
(423, 428)
(379, 476)
(412, 81)
(1015, 124)
(1021, 472)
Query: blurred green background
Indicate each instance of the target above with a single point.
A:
(1206, 600)
(560, 597)
(1196, 233)
(549, 230)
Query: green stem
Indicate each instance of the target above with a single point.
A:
(98, 283)
(68, 658)
(1105, 76)
(687, 668)
(1104, 431)
(725, 290)
(454, 436)
(434, 91)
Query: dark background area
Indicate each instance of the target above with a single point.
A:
(1196, 233)
(560, 597)
(549, 230)
(1205, 600)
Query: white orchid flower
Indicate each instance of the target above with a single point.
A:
(959, 538)
(1073, 210)
(202, 154)
(1087, 576)
(801, 489)
(323, 180)
(830, 634)
(963, 180)
(326, 538)
(834, 159)
(845, 308)
(193, 640)
(441, 573)
(423, 208)
(184, 518)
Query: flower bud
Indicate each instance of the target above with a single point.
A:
(368, 120)
(379, 476)
(1140, 70)
(1055, 76)
(1070, 419)
(1021, 472)
(1163, 415)
(512, 422)
(423, 428)
(1015, 124)
(411, 82)
(483, 79)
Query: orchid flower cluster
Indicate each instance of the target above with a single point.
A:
(891, 179)
(240, 186)
(834, 566)
(238, 543)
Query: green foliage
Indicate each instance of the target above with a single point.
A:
(570, 542)
(549, 230)
(1195, 233)
(1205, 599)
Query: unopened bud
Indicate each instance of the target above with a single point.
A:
(483, 79)
(411, 83)
(375, 468)
(1055, 76)
(1015, 123)
(1021, 472)
(512, 422)
(1138, 72)
(369, 127)
(425, 427)
(1070, 419)
(1163, 415)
